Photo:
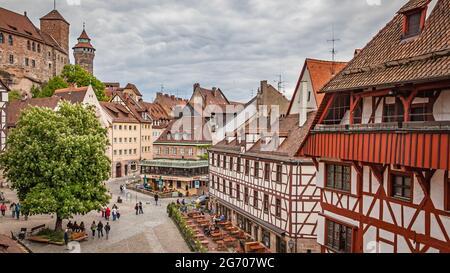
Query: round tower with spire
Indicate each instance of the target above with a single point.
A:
(84, 52)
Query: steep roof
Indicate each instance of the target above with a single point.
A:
(18, 24)
(156, 111)
(190, 126)
(289, 130)
(388, 60)
(134, 88)
(411, 5)
(84, 35)
(320, 72)
(118, 112)
(213, 96)
(72, 94)
(13, 109)
(54, 15)
(169, 102)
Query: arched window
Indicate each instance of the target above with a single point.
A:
(39, 48)
(1, 38)
(33, 46)
(10, 40)
(28, 45)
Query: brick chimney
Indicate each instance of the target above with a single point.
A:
(196, 85)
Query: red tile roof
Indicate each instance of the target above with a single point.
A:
(415, 4)
(389, 60)
(54, 15)
(18, 24)
(118, 112)
(72, 94)
(320, 72)
(84, 35)
(84, 45)
(134, 88)
(169, 102)
(14, 108)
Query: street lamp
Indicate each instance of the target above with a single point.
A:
(291, 245)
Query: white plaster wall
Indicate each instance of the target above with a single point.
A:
(441, 110)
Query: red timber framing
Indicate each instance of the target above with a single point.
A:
(416, 149)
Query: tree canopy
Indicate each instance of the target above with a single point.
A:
(56, 161)
(71, 74)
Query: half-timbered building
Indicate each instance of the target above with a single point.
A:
(256, 181)
(381, 141)
(3, 118)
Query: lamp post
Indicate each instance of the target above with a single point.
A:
(291, 245)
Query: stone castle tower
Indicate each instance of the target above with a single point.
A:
(54, 24)
(84, 52)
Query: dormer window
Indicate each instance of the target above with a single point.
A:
(413, 24)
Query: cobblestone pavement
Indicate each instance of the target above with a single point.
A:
(152, 232)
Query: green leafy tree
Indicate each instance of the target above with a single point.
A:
(53, 84)
(56, 161)
(76, 74)
(14, 95)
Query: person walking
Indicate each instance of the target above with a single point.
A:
(3, 209)
(107, 229)
(75, 227)
(136, 208)
(18, 211)
(12, 207)
(93, 228)
(107, 213)
(114, 213)
(118, 214)
(82, 228)
(141, 211)
(100, 229)
(156, 199)
(103, 212)
(66, 237)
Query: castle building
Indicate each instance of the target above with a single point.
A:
(30, 55)
(84, 52)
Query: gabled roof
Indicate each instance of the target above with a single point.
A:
(388, 60)
(54, 15)
(134, 88)
(412, 5)
(192, 126)
(169, 102)
(320, 72)
(212, 96)
(13, 109)
(118, 112)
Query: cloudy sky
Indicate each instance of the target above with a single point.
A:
(231, 44)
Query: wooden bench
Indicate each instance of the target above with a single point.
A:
(36, 228)
(80, 236)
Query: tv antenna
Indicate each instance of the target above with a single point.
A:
(162, 87)
(333, 50)
(280, 83)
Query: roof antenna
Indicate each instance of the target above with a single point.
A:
(84, 26)
(162, 88)
(333, 50)
(280, 84)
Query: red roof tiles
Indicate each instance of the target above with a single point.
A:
(389, 60)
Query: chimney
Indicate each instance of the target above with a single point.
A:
(172, 97)
(158, 94)
(304, 104)
(25, 14)
(214, 91)
(357, 51)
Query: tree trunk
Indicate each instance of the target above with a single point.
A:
(58, 225)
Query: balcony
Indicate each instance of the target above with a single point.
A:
(178, 164)
(413, 144)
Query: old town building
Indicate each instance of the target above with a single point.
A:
(84, 52)
(257, 182)
(30, 55)
(381, 141)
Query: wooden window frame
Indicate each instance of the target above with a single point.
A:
(247, 167)
(246, 195)
(230, 186)
(417, 12)
(224, 162)
(256, 169)
(266, 205)
(278, 208)
(224, 186)
(231, 163)
(238, 192)
(255, 199)
(391, 175)
(267, 171)
(333, 187)
(238, 165)
(279, 173)
(352, 237)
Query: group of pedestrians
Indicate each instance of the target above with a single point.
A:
(99, 228)
(14, 208)
(114, 212)
(74, 227)
(138, 208)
